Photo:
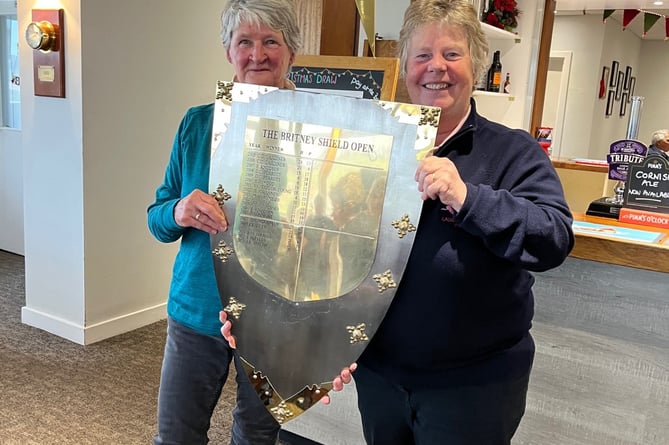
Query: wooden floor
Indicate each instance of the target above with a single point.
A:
(601, 372)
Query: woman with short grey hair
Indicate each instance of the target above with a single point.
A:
(272, 13)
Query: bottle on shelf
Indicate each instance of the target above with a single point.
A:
(495, 74)
(507, 84)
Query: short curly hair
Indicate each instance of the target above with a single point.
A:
(456, 13)
(279, 15)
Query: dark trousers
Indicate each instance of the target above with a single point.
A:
(470, 415)
(195, 368)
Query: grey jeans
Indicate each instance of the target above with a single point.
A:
(195, 368)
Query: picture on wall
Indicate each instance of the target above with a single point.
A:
(628, 77)
(603, 82)
(610, 100)
(631, 88)
(623, 104)
(620, 83)
(614, 71)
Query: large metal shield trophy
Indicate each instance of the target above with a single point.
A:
(322, 207)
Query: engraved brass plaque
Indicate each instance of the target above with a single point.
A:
(309, 206)
(322, 212)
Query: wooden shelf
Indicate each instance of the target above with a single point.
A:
(495, 33)
(493, 96)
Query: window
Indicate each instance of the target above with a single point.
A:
(10, 82)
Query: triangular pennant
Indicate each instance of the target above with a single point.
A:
(649, 19)
(366, 11)
(607, 14)
(628, 16)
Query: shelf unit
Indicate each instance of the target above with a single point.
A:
(495, 33)
(495, 106)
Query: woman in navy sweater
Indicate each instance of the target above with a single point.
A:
(451, 361)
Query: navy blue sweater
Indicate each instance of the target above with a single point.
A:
(463, 310)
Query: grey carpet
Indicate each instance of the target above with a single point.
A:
(601, 374)
(53, 391)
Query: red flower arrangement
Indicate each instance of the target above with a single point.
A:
(502, 14)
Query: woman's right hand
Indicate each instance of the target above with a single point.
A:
(201, 211)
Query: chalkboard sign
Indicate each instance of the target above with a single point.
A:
(647, 185)
(365, 77)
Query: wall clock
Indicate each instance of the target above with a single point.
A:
(45, 36)
(41, 35)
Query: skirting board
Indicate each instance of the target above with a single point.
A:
(86, 335)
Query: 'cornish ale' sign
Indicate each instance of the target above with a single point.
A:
(648, 185)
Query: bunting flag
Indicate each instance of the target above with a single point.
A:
(366, 11)
(649, 20)
(628, 16)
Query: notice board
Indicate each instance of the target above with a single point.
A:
(365, 77)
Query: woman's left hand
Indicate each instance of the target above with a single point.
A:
(438, 178)
(344, 378)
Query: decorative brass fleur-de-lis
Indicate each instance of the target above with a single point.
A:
(357, 333)
(403, 226)
(234, 308)
(429, 116)
(384, 280)
(220, 195)
(223, 251)
(224, 91)
(281, 412)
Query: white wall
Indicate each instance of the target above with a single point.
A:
(583, 35)
(11, 178)
(624, 47)
(389, 16)
(11, 191)
(588, 131)
(93, 160)
(653, 85)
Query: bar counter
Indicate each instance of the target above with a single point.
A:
(650, 256)
(583, 182)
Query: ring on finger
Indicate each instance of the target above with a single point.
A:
(434, 178)
(197, 216)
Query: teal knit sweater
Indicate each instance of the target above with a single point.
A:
(193, 299)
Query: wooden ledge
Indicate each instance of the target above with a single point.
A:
(649, 256)
(570, 164)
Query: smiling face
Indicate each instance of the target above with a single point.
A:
(439, 70)
(259, 55)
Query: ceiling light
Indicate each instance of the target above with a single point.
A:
(658, 3)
